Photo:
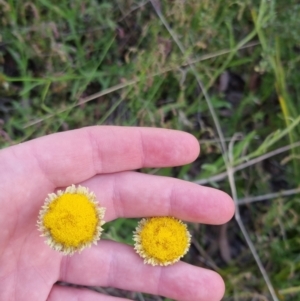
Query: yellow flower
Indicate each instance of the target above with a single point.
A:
(71, 220)
(161, 240)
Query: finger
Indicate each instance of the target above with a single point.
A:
(64, 293)
(31, 170)
(116, 265)
(70, 157)
(132, 194)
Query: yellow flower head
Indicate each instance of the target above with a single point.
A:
(161, 240)
(71, 220)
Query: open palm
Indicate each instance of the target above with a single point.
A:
(101, 158)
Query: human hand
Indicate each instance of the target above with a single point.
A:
(101, 158)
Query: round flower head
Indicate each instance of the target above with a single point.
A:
(161, 240)
(71, 220)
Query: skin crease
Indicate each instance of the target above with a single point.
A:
(102, 159)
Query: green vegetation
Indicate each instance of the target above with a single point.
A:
(69, 64)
